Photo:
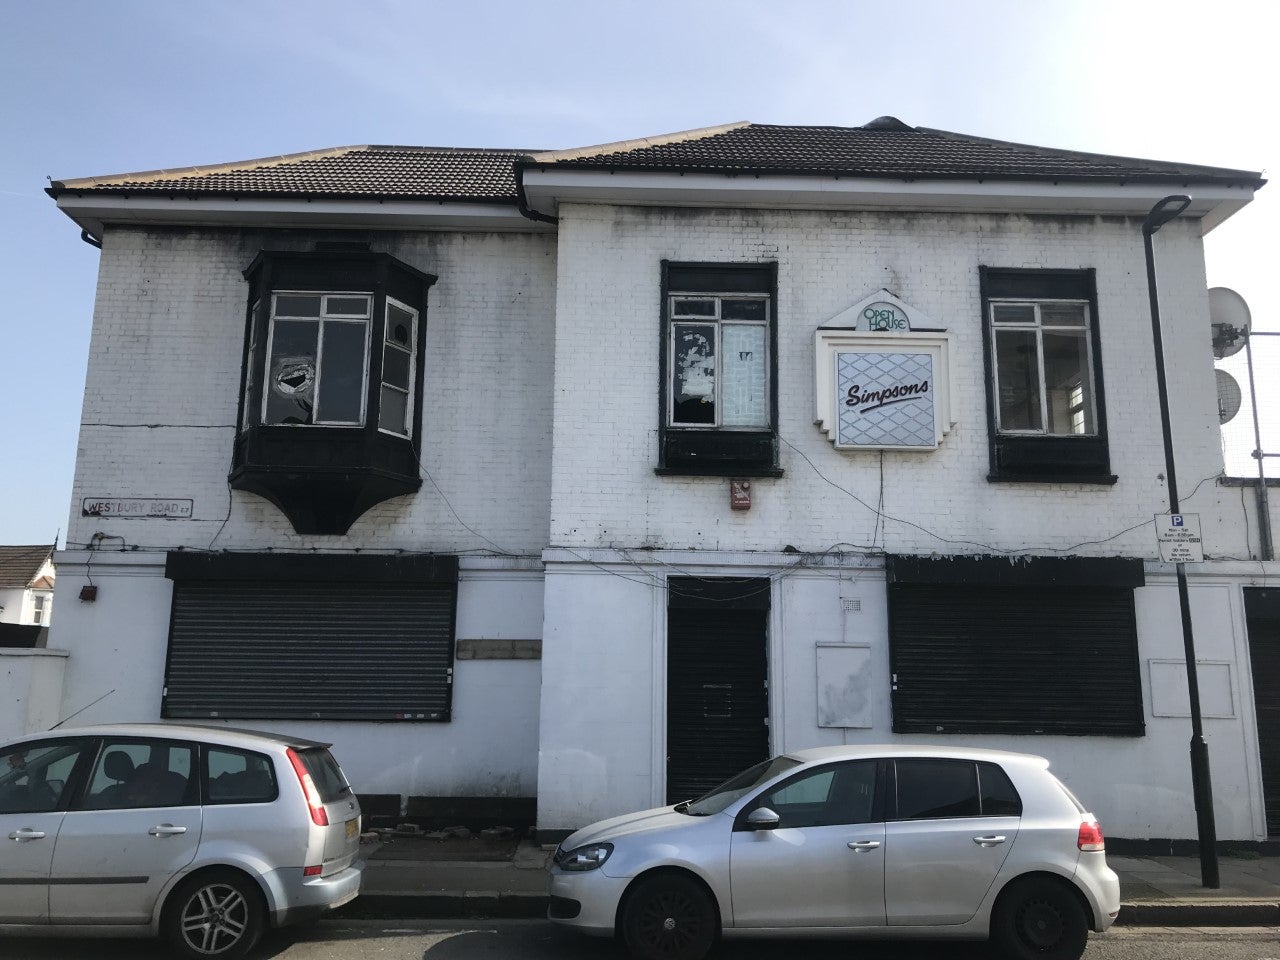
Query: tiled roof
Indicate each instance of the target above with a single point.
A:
(884, 148)
(19, 566)
(370, 172)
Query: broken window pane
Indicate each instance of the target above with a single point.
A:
(342, 373)
(694, 374)
(399, 326)
(744, 400)
(291, 377)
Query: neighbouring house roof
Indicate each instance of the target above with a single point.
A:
(20, 566)
(883, 148)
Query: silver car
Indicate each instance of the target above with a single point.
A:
(205, 835)
(892, 841)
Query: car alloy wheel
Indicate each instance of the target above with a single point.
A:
(669, 918)
(216, 914)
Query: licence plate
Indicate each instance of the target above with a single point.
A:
(353, 827)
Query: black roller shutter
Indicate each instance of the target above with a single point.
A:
(1043, 659)
(1262, 607)
(310, 650)
(717, 696)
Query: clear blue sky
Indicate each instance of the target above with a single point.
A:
(107, 87)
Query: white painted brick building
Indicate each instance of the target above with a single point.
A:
(548, 569)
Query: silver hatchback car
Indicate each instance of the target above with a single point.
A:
(877, 842)
(204, 835)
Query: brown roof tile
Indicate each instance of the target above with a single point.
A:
(884, 148)
(20, 565)
(372, 172)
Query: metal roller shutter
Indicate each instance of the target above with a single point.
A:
(1005, 659)
(310, 650)
(717, 695)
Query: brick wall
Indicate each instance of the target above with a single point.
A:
(164, 378)
(606, 404)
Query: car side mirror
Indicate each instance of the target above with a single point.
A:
(762, 818)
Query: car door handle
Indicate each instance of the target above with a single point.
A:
(863, 845)
(166, 830)
(26, 833)
(988, 841)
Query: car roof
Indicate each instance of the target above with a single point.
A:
(203, 733)
(876, 751)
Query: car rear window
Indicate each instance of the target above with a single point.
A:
(325, 774)
(936, 789)
(239, 776)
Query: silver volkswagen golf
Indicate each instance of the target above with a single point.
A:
(204, 835)
(877, 842)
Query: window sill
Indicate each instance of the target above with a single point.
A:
(1093, 479)
(720, 470)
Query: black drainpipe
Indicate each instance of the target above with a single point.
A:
(522, 202)
(88, 238)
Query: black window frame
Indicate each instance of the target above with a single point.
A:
(690, 450)
(1042, 457)
(325, 475)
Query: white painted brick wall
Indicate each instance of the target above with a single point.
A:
(607, 340)
(164, 377)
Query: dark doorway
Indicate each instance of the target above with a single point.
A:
(1262, 609)
(717, 687)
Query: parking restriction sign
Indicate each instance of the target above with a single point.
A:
(1179, 537)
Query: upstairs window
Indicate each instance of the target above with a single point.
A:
(331, 397)
(1044, 374)
(719, 362)
(1046, 415)
(317, 359)
(718, 394)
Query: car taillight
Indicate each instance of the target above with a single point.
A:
(1090, 837)
(309, 789)
(312, 871)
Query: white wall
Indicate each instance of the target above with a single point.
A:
(30, 690)
(118, 644)
(605, 492)
(164, 377)
(13, 600)
(603, 708)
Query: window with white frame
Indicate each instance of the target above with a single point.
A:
(1043, 369)
(41, 605)
(719, 361)
(1046, 409)
(317, 359)
(395, 411)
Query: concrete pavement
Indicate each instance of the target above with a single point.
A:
(406, 878)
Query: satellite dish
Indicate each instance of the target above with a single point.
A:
(1229, 321)
(1228, 396)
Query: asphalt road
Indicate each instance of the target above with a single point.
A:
(536, 940)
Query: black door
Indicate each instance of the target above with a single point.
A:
(1263, 610)
(717, 696)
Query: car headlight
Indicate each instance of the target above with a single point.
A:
(587, 857)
